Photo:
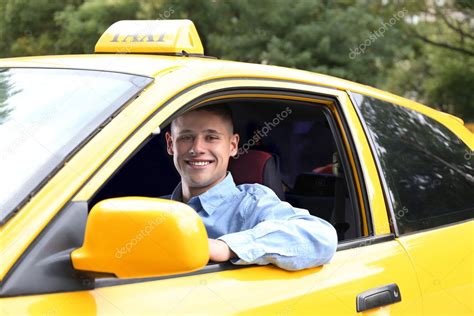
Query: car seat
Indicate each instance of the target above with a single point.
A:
(256, 166)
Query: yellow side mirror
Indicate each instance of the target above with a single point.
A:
(142, 237)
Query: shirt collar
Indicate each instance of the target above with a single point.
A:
(177, 194)
(212, 198)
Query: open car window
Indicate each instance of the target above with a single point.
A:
(305, 171)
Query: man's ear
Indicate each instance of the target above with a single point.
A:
(169, 143)
(234, 144)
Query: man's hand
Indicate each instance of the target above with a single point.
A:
(219, 251)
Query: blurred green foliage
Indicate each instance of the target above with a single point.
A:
(426, 54)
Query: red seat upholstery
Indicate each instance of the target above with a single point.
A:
(257, 166)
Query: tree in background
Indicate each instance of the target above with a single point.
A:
(419, 49)
(440, 71)
(27, 27)
(312, 35)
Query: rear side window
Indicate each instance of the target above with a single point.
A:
(428, 170)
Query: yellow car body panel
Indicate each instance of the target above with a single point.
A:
(447, 286)
(252, 291)
(378, 210)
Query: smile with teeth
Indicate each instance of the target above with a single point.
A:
(198, 163)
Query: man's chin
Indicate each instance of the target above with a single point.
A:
(199, 183)
(202, 182)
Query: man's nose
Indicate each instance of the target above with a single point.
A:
(198, 145)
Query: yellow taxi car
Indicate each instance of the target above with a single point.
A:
(84, 164)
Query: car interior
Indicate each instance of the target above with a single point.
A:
(295, 155)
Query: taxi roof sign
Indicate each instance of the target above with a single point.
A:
(171, 37)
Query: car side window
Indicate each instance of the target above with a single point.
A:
(428, 170)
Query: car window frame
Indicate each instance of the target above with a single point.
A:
(333, 95)
(204, 98)
(361, 241)
(297, 93)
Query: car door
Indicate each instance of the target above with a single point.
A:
(372, 269)
(430, 171)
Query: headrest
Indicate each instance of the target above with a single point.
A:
(257, 166)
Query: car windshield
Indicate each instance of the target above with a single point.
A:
(47, 113)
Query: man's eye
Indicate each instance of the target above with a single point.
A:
(186, 137)
(212, 137)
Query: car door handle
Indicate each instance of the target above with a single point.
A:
(380, 296)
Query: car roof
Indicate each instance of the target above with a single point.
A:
(208, 68)
(153, 65)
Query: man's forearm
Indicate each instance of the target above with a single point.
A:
(292, 245)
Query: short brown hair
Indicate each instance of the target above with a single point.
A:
(223, 111)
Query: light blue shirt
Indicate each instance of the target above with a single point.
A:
(260, 228)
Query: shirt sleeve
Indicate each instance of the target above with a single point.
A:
(280, 234)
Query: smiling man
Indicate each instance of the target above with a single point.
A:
(247, 224)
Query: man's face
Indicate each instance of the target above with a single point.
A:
(201, 143)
